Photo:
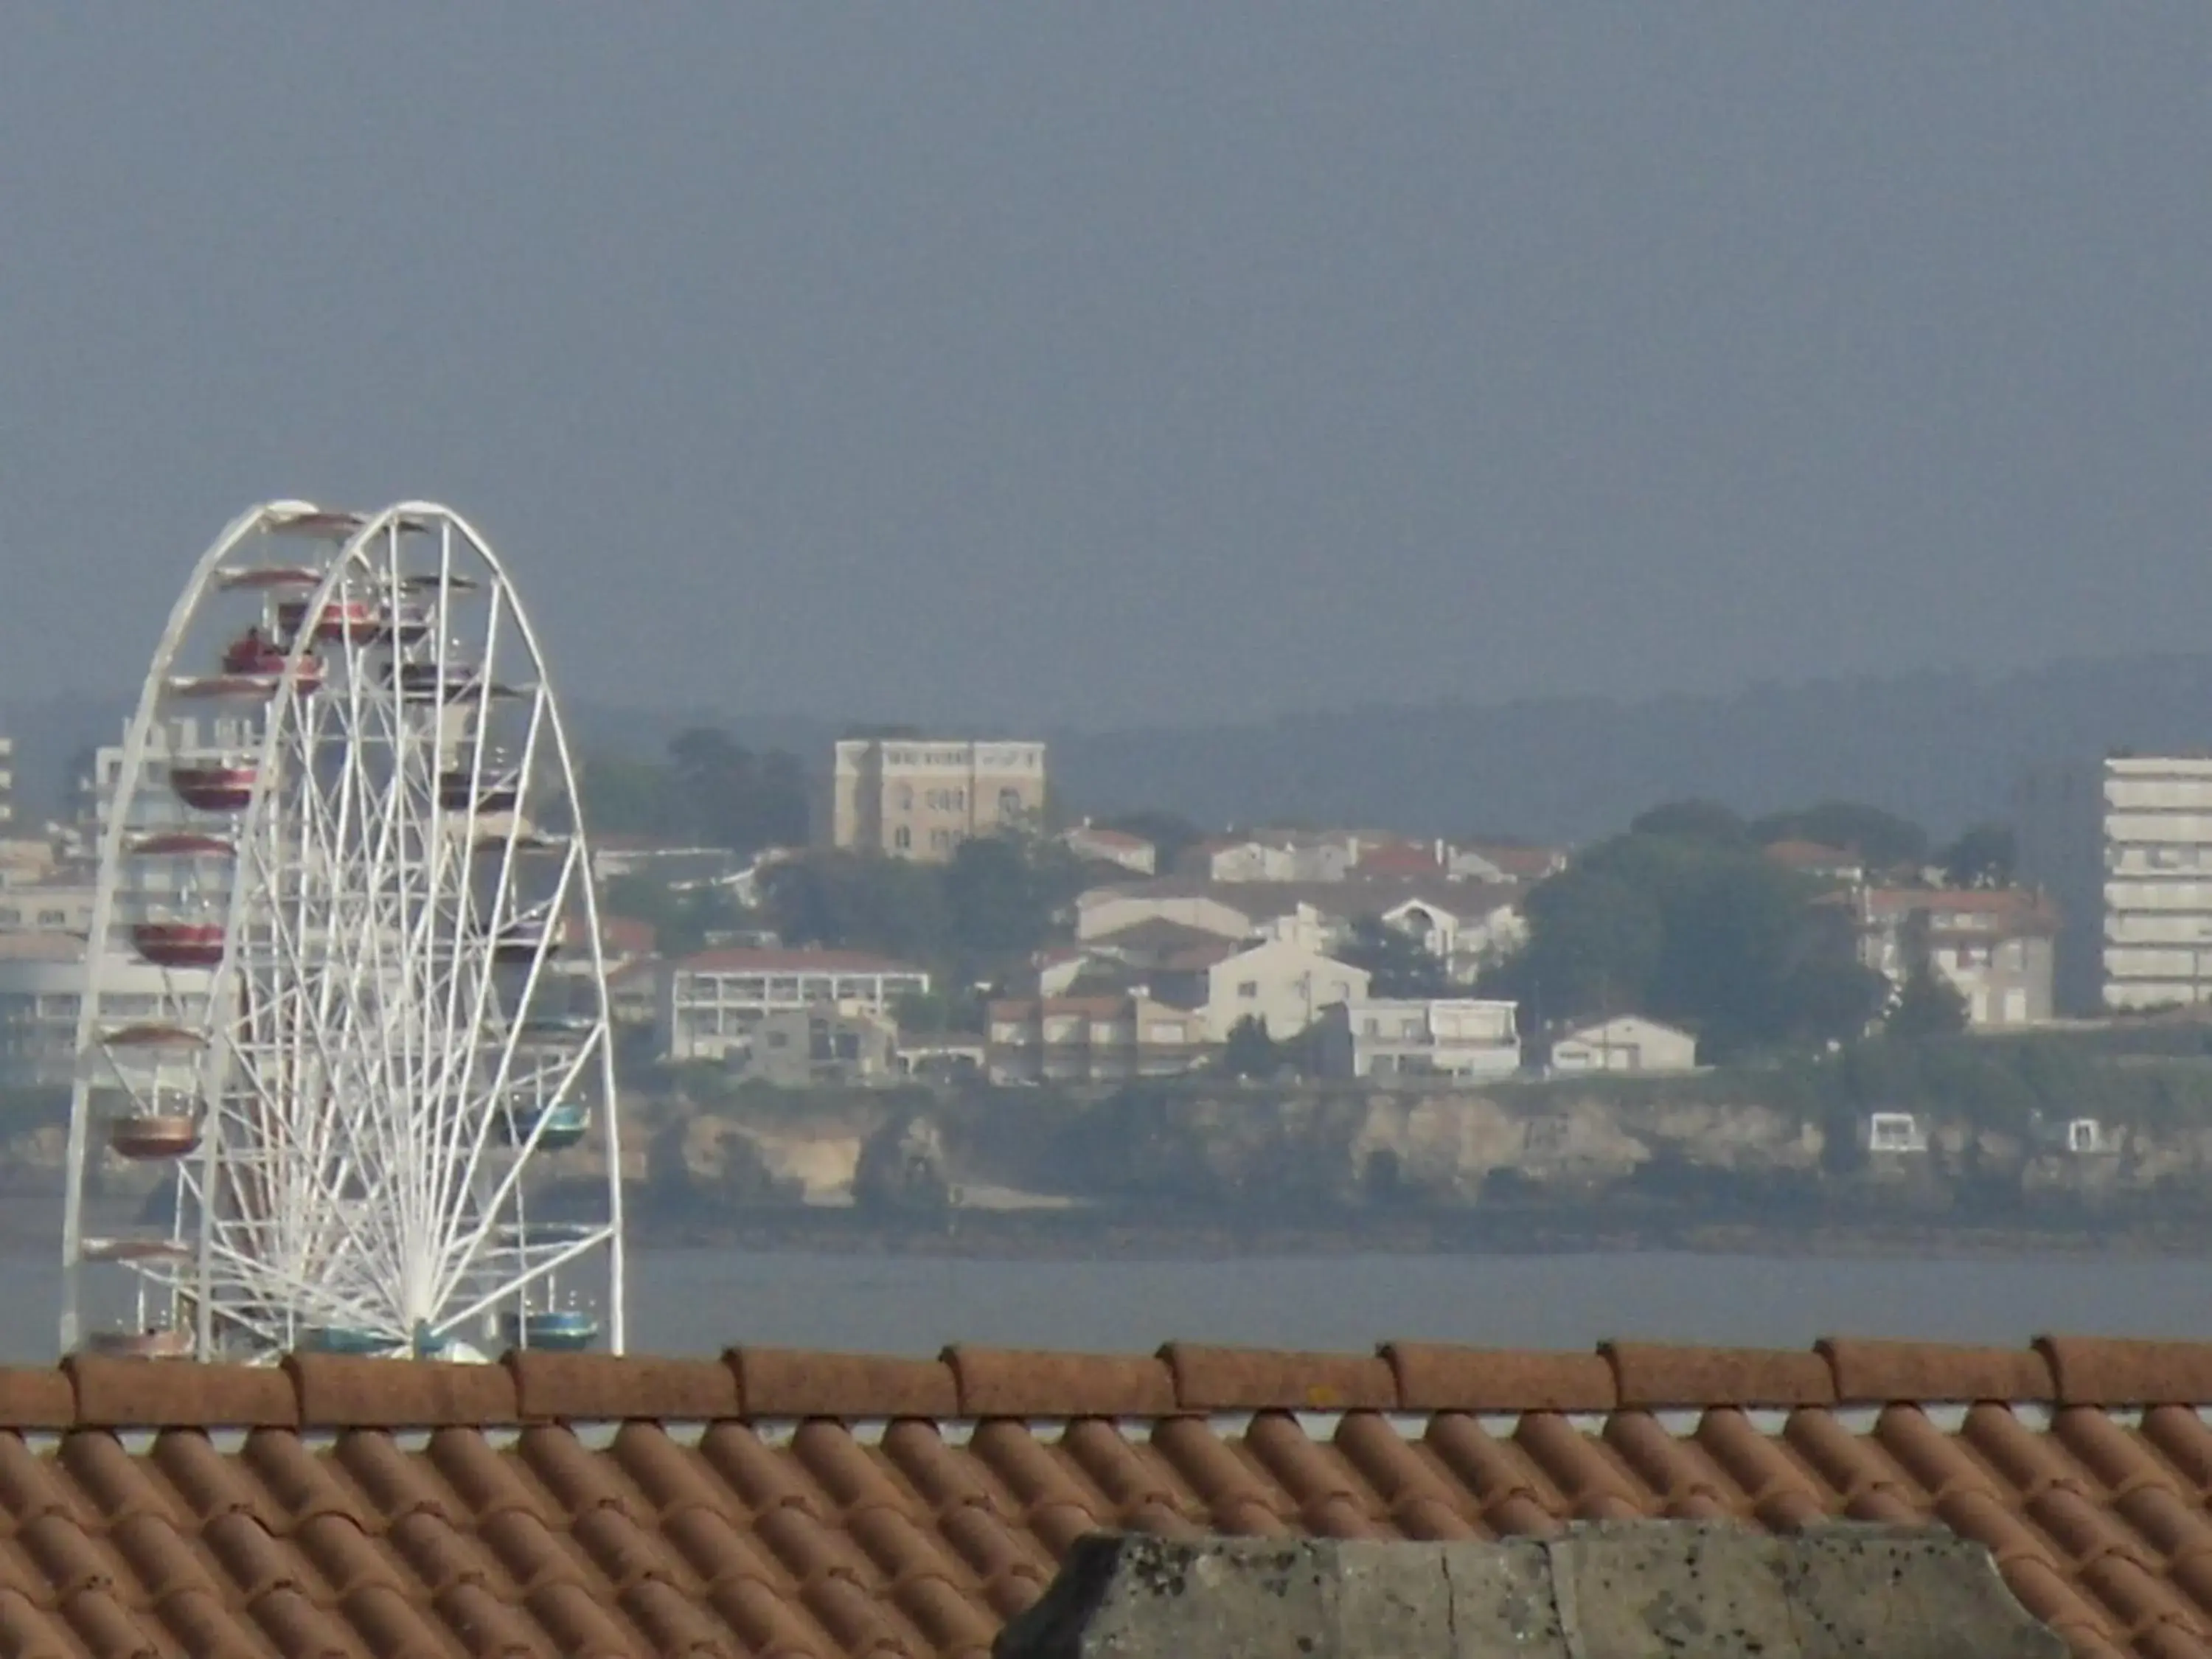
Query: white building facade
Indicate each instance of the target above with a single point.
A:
(2158, 882)
(1457, 1037)
(712, 1003)
(1626, 1042)
(1283, 985)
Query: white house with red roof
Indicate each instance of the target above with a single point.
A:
(1096, 844)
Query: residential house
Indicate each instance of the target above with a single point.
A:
(1091, 1039)
(1810, 858)
(1272, 855)
(1465, 924)
(919, 798)
(1458, 1037)
(1200, 904)
(1397, 858)
(1626, 1042)
(1993, 945)
(710, 1004)
(828, 1043)
(1466, 928)
(1096, 844)
(1282, 985)
(1156, 943)
(1522, 861)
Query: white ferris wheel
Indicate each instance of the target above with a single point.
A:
(378, 1077)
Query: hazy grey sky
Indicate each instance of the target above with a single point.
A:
(1130, 361)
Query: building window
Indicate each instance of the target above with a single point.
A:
(902, 838)
(906, 797)
(1010, 802)
(1249, 988)
(1895, 1131)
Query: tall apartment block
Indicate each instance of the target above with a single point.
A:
(2124, 845)
(919, 798)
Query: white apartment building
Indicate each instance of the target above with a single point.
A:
(2158, 882)
(42, 983)
(919, 798)
(156, 885)
(711, 1005)
(2125, 847)
(1387, 1036)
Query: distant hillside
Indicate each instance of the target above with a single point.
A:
(1943, 748)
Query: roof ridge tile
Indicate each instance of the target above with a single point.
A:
(1029, 1383)
(1442, 1377)
(1210, 1378)
(2095, 1370)
(1873, 1371)
(343, 1391)
(799, 1382)
(1655, 1375)
(607, 1388)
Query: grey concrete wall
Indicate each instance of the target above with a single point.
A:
(1637, 1590)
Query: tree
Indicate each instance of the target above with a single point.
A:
(999, 903)
(730, 798)
(1249, 1052)
(849, 899)
(1983, 856)
(623, 795)
(1397, 963)
(1928, 1006)
(1594, 944)
(1883, 839)
(1832, 999)
(1690, 820)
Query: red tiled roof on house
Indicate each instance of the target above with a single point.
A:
(798, 1504)
(1398, 857)
(1811, 855)
(2020, 909)
(764, 959)
(1518, 863)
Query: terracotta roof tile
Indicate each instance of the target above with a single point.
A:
(1431, 1377)
(36, 1398)
(1649, 1375)
(1003, 1383)
(580, 1387)
(1876, 1373)
(130, 1393)
(784, 1382)
(2098, 1372)
(339, 1391)
(1259, 1379)
(816, 1505)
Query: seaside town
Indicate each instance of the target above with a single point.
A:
(1370, 832)
(916, 936)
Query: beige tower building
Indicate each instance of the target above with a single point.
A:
(919, 798)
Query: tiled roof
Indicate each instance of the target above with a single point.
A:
(793, 1503)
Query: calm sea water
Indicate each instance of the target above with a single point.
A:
(699, 1300)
